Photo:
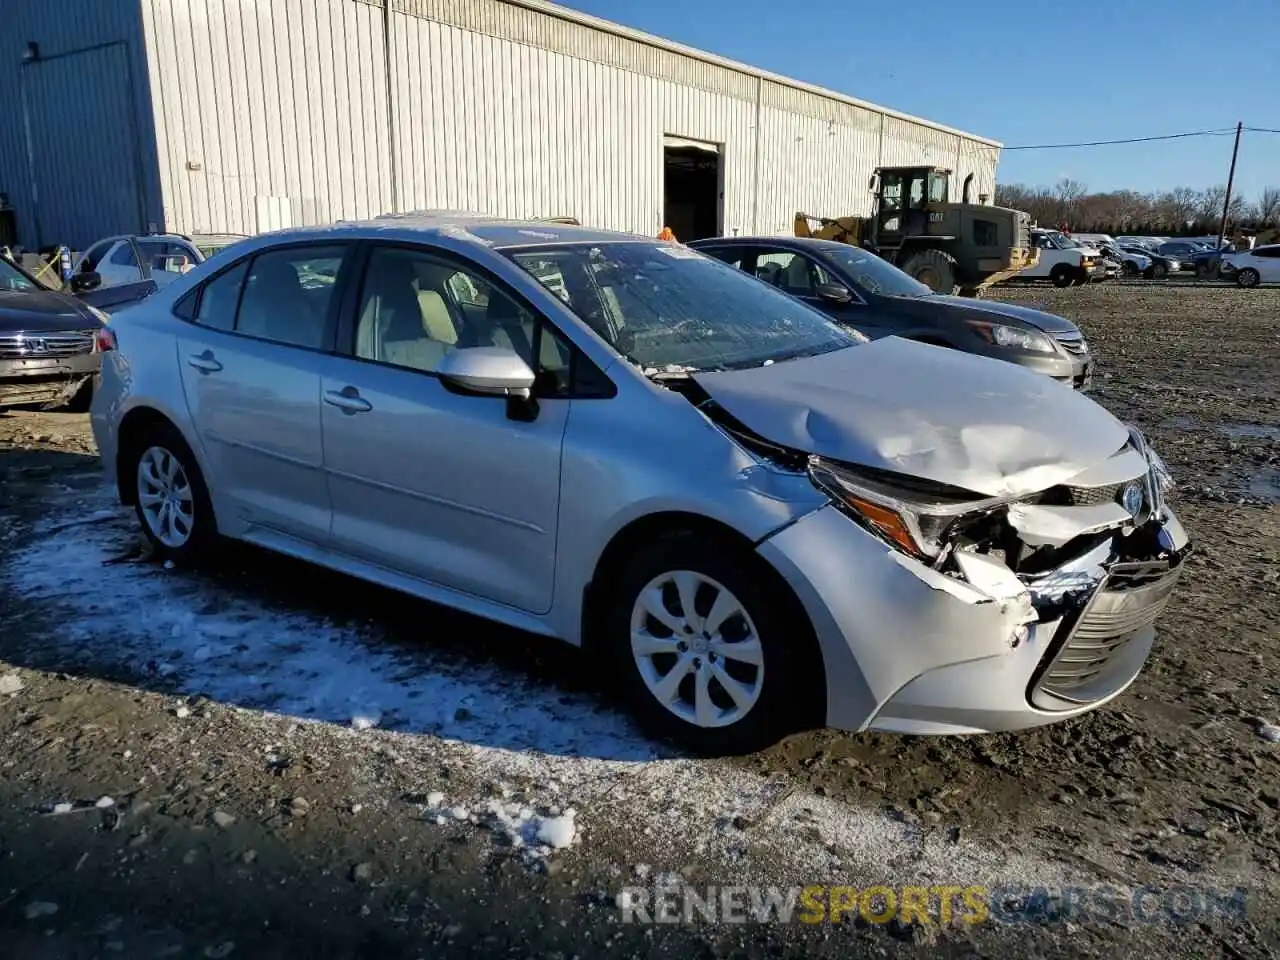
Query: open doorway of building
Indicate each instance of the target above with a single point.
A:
(692, 188)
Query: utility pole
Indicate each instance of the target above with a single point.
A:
(1231, 177)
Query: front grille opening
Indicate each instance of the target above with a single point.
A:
(44, 346)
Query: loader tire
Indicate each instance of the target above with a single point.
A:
(935, 268)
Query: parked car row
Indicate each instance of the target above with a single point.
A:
(757, 517)
(1075, 259)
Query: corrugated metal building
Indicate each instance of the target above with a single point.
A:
(246, 115)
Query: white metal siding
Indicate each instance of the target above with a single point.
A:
(283, 105)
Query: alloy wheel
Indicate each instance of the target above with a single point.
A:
(165, 497)
(697, 649)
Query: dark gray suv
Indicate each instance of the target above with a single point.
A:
(857, 288)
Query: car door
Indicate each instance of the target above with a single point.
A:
(450, 488)
(1266, 260)
(251, 361)
(120, 264)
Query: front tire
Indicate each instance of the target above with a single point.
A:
(1061, 276)
(1160, 271)
(935, 268)
(1248, 277)
(170, 496)
(697, 635)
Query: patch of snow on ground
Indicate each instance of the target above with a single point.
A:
(598, 779)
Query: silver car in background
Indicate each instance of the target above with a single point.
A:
(753, 518)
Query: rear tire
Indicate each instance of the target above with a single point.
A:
(1248, 277)
(715, 688)
(935, 268)
(1061, 276)
(170, 496)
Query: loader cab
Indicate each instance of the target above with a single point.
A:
(903, 196)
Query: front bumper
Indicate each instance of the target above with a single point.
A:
(45, 380)
(1073, 369)
(908, 649)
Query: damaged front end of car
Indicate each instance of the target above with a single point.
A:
(1079, 571)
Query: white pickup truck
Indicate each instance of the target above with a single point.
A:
(1063, 261)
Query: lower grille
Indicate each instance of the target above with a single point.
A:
(1086, 496)
(34, 345)
(1132, 597)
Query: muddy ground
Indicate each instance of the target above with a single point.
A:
(301, 765)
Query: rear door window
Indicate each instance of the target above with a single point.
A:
(288, 294)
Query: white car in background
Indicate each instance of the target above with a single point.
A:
(131, 259)
(1256, 266)
(1063, 261)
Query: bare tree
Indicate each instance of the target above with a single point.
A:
(1127, 211)
(1269, 206)
(1068, 193)
(1209, 203)
(1176, 208)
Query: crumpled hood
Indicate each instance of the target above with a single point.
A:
(1048, 322)
(985, 425)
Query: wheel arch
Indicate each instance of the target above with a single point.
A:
(674, 524)
(134, 425)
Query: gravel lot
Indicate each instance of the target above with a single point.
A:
(298, 764)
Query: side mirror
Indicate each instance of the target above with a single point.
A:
(835, 292)
(490, 371)
(86, 280)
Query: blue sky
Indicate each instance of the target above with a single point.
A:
(1025, 73)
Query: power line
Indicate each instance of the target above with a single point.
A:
(1260, 130)
(1226, 132)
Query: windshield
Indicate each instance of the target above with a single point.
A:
(875, 274)
(11, 279)
(667, 308)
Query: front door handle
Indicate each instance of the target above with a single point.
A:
(205, 362)
(348, 400)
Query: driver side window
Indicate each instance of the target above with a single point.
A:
(791, 272)
(415, 309)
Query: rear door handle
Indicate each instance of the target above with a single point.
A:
(348, 400)
(205, 362)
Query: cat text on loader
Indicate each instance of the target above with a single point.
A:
(950, 247)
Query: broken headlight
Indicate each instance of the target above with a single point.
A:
(916, 516)
(1160, 473)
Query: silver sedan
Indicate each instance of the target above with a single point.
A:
(753, 518)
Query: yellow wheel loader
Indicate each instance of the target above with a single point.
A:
(950, 247)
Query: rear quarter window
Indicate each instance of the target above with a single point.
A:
(220, 297)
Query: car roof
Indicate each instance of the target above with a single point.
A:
(140, 236)
(490, 231)
(778, 241)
